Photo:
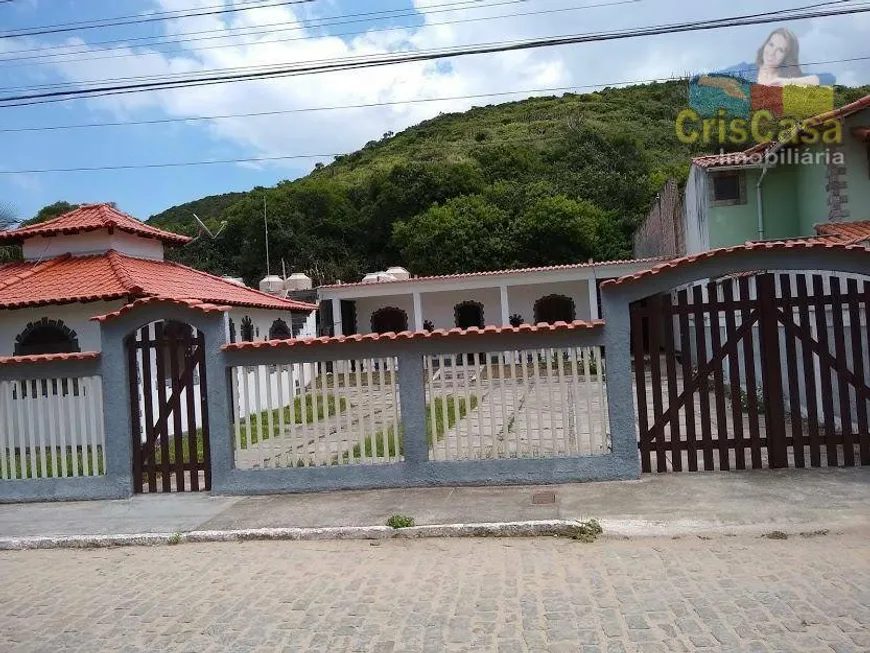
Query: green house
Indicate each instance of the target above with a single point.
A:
(778, 190)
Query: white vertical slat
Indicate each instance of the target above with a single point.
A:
(515, 407)
(246, 411)
(363, 405)
(491, 431)
(273, 447)
(237, 412)
(98, 408)
(39, 406)
(525, 414)
(83, 425)
(338, 368)
(31, 409)
(281, 461)
(62, 427)
(303, 412)
(502, 394)
(442, 365)
(71, 414)
(563, 399)
(394, 364)
(5, 433)
(90, 427)
(536, 370)
(455, 393)
(430, 393)
(589, 378)
(317, 373)
(478, 369)
(294, 442)
(554, 433)
(385, 408)
(258, 414)
(21, 428)
(347, 393)
(602, 394)
(326, 428)
(574, 367)
(466, 397)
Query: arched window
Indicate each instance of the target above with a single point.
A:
(468, 314)
(279, 330)
(46, 337)
(555, 308)
(389, 319)
(247, 329)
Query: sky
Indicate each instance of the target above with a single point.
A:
(317, 30)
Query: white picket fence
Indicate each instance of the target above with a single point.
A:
(51, 428)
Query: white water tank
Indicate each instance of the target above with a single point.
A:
(235, 280)
(374, 277)
(273, 284)
(399, 273)
(298, 281)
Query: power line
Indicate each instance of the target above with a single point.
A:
(81, 82)
(136, 20)
(55, 58)
(322, 21)
(357, 63)
(258, 114)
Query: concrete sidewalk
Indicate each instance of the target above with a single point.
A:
(792, 501)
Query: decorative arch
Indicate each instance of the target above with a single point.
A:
(247, 331)
(468, 314)
(389, 319)
(46, 336)
(555, 308)
(280, 331)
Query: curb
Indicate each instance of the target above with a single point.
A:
(499, 529)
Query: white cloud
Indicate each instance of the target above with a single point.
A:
(341, 131)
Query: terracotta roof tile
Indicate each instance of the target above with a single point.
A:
(757, 151)
(188, 303)
(818, 243)
(849, 233)
(112, 275)
(492, 273)
(437, 334)
(91, 217)
(49, 358)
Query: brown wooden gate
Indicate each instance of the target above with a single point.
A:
(764, 370)
(166, 362)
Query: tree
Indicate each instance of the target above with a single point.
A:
(557, 230)
(466, 234)
(51, 212)
(8, 219)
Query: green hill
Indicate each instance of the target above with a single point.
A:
(542, 181)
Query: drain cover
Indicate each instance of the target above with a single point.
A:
(543, 498)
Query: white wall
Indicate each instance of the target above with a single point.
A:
(365, 306)
(521, 299)
(92, 242)
(263, 319)
(75, 316)
(438, 306)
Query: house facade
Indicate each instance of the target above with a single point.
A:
(96, 261)
(394, 301)
(779, 191)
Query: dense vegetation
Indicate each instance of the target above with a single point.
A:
(546, 180)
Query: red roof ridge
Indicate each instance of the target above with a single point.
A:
(91, 217)
(116, 262)
(289, 302)
(38, 267)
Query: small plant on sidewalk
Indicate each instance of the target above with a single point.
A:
(586, 531)
(400, 521)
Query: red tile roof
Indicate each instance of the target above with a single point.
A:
(757, 151)
(49, 358)
(437, 334)
(818, 243)
(205, 307)
(847, 233)
(91, 217)
(112, 275)
(493, 273)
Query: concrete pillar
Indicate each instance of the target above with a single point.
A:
(418, 312)
(337, 326)
(593, 298)
(505, 306)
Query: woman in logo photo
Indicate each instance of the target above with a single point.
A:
(777, 63)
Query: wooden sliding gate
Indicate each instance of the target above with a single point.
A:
(753, 371)
(166, 363)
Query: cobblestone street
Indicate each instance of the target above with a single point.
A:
(806, 593)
